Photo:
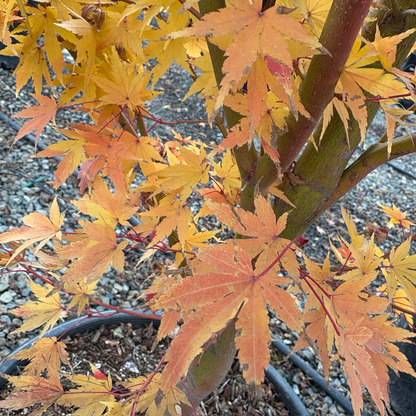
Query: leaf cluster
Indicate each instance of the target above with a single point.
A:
(119, 50)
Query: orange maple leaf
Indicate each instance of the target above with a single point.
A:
(225, 282)
(94, 254)
(263, 229)
(368, 350)
(40, 228)
(111, 151)
(30, 390)
(72, 151)
(41, 115)
(255, 32)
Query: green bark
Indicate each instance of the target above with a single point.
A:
(341, 28)
(246, 157)
(333, 154)
(375, 156)
(322, 169)
(207, 373)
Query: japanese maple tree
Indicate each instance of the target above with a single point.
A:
(292, 85)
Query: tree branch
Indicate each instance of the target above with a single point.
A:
(334, 151)
(317, 90)
(246, 156)
(341, 28)
(371, 159)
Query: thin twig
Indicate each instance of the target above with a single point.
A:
(193, 11)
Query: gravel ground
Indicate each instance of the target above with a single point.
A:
(26, 186)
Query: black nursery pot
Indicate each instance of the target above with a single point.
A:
(70, 328)
(403, 388)
(9, 367)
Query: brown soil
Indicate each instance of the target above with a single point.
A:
(127, 353)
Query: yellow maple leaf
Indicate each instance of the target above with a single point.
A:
(401, 270)
(205, 84)
(44, 353)
(193, 239)
(313, 11)
(174, 217)
(88, 404)
(45, 310)
(186, 175)
(127, 34)
(81, 291)
(123, 86)
(108, 207)
(357, 240)
(393, 117)
(397, 217)
(167, 51)
(40, 229)
(358, 77)
(156, 402)
(42, 20)
(385, 48)
(228, 173)
(86, 42)
(400, 299)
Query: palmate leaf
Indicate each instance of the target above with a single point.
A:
(44, 353)
(255, 33)
(397, 217)
(263, 230)
(72, 151)
(91, 394)
(30, 390)
(41, 115)
(224, 282)
(368, 348)
(401, 270)
(155, 401)
(93, 254)
(45, 310)
(108, 207)
(40, 229)
(123, 86)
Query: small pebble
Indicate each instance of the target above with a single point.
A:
(6, 319)
(4, 282)
(7, 297)
(296, 379)
(328, 399)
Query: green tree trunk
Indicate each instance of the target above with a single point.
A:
(337, 29)
(323, 169)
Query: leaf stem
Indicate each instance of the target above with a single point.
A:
(345, 264)
(188, 392)
(267, 269)
(306, 275)
(324, 307)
